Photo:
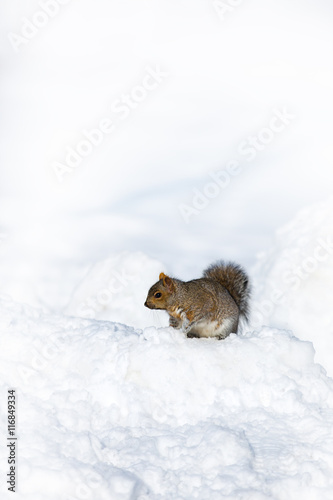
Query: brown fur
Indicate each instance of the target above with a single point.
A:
(210, 306)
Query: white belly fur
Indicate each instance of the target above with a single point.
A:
(212, 329)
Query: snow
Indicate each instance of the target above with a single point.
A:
(294, 280)
(117, 412)
(114, 288)
(188, 132)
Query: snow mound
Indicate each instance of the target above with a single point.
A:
(108, 411)
(116, 288)
(294, 280)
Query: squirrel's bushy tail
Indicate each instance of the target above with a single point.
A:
(235, 280)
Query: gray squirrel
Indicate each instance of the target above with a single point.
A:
(210, 306)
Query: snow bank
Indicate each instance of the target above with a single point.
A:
(293, 280)
(108, 411)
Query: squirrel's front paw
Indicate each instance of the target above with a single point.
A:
(174, 322)
(186, 325)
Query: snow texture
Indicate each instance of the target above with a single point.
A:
(109, 411)
(294, 280)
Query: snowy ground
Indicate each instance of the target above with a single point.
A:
(142, 138)
(112, 412)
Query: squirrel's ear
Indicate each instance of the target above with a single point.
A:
(167, 282)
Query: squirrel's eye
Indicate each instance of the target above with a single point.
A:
(157, 295)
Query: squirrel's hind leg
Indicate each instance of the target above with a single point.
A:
(192, 335)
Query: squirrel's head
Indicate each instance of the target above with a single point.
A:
(159, 294)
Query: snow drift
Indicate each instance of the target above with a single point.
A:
(294, 280)
(109, 411)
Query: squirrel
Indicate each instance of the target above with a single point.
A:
(210, 306)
